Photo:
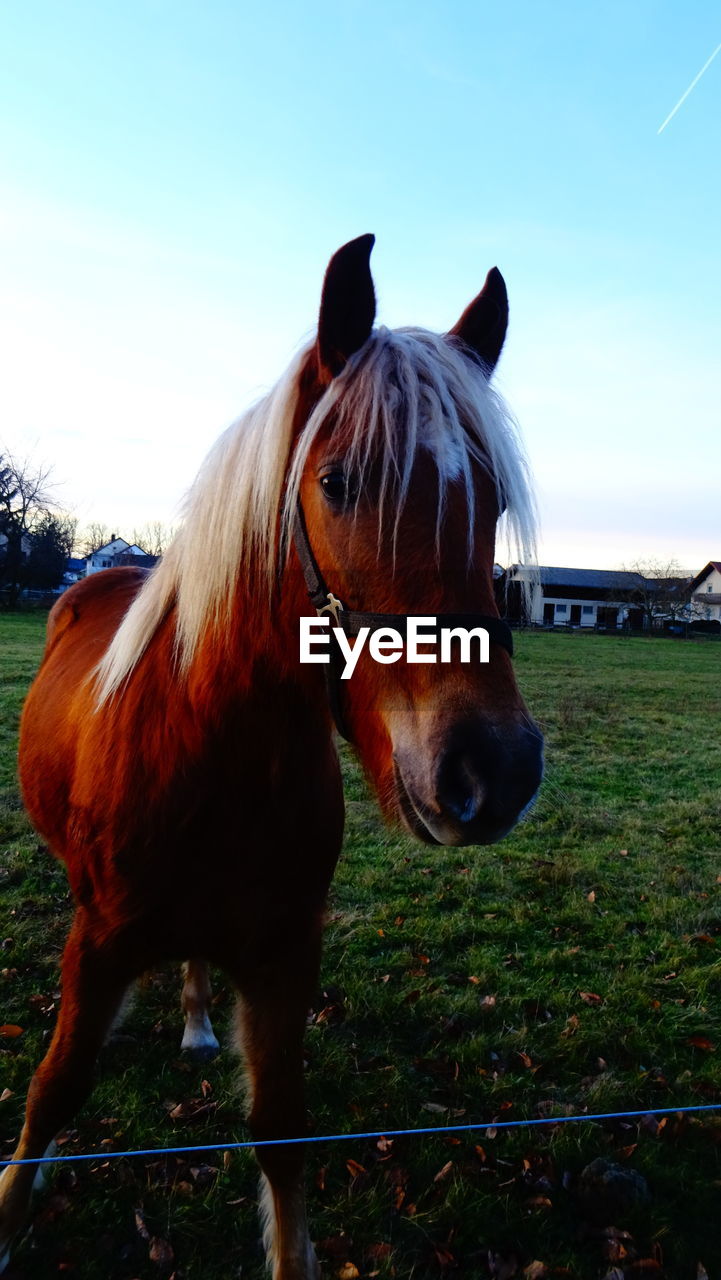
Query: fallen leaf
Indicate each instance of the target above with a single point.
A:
(535, 1271)
(653, 1125)
(192, 1109)
(376, 1252)
(335, 1247)
(348, 1271)
(538, 1202)
(436, 1107)
(354, 1168)
(590, 997)
(140, 1226)
(591, 897)
(6, 1093)
(444, 1172)
(161, 1252)
(10, 1031)
(525, 1059)
(702, 1042)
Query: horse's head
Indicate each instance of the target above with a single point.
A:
(401, 470)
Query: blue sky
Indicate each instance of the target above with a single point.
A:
(175, 176)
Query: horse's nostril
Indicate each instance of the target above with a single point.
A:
(488, 778)
(460, 789)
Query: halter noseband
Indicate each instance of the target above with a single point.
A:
(351, 621)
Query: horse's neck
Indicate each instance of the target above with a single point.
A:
(255, 654)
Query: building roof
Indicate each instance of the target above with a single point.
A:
(709, 568)
(598, 579)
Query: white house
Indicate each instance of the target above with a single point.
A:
(706, 592)
(575, 597)
(113, 553)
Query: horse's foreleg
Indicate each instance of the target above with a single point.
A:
(273, 1011)
(93, 984)
(198, 1036)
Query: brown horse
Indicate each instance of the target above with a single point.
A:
(173, 729)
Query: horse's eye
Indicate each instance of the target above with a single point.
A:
(339, 487)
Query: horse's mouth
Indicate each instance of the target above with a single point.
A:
(412, 812)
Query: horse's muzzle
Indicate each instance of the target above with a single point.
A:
(475, 788)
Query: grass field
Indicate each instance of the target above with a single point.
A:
(573, 969)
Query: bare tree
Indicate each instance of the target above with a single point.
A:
(154, 537)
(662, 590)
(35, 540)
(24, 491)
(92, 538)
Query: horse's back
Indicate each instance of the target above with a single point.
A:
(61, 699)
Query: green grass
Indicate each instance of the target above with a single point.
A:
(452, 990)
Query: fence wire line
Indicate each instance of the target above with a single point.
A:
(357, 1137)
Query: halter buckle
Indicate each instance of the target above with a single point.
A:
(334, 607)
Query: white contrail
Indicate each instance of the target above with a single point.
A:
(692, 85)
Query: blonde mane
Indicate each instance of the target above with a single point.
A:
(405, 390)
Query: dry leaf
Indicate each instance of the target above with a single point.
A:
(535, 1271)
(354, 1168)
(591, 897)
(6, 1093)
(348, 1271)
(444, 1172)
(376, 1252)
(140, 1226)
(702, 1042)
(161, 1252)
(590, 997)
(10, 1031)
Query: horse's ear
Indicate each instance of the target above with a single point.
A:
(482, 327)
(347, 307)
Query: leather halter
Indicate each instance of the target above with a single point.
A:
(351, 620)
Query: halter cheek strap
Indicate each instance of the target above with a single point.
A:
(351, 621)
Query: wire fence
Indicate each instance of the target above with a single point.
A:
(310, 1139)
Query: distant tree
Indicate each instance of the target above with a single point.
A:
(92, 538)
(154, 537)
(662, 590)
(25, 508)
(51, 543)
